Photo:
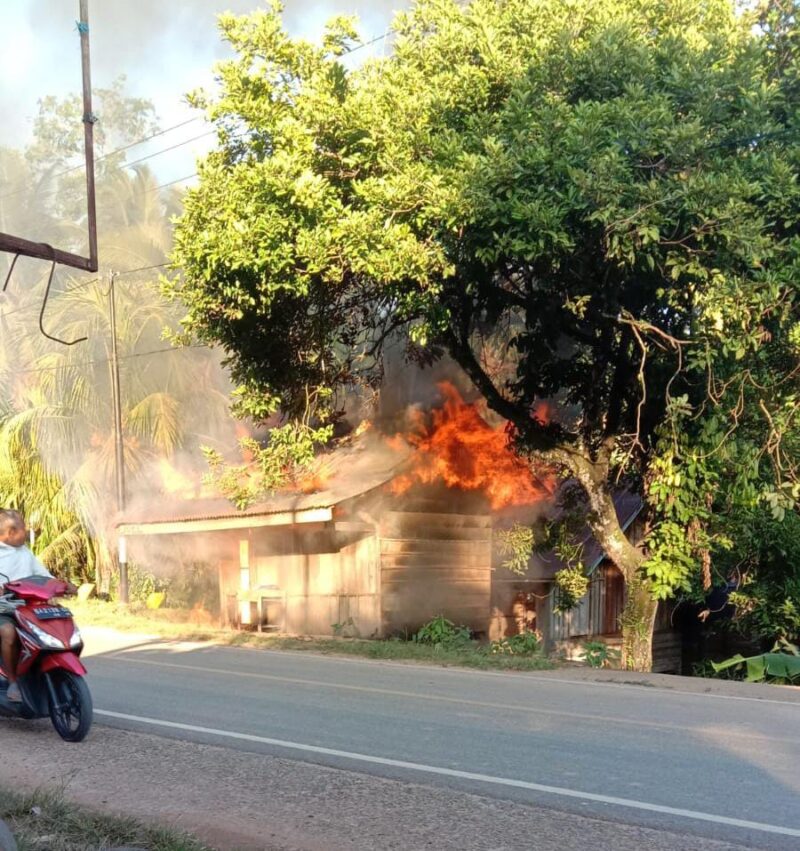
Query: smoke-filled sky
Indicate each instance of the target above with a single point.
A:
(164, 47)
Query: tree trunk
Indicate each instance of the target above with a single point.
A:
(638, 620)
(639, 612)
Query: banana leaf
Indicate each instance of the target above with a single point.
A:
(774, 665)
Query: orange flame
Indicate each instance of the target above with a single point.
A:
(315, 481)
(462, 450)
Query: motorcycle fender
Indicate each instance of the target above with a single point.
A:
(37, 701)
(67, 661)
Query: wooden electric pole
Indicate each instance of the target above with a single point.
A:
(119, 446)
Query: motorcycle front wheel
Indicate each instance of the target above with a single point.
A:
(70, 705)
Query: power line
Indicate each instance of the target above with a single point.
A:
(76, 285)
(170, 148)
(109, 154)
(174, 147)
(164, 351)
(95, 361)
(367, 43)
(141, 269)
(144, 139)
(173, 182)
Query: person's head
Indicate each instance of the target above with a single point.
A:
(12, 528)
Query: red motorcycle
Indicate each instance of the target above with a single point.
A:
(50, 675)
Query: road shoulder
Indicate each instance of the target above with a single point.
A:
(102, 640)
(255, 802)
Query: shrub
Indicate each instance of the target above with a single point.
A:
(526, 643)
(194, 585)
(597, 654)
(441, 632)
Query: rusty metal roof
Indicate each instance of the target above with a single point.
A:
(347, 472)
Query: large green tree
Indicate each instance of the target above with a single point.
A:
(602, 193)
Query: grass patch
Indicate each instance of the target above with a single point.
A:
(177, 625)
(183, 624)
(45, 821)
(471, 655)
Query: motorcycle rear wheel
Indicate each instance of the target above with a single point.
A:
(72, 711)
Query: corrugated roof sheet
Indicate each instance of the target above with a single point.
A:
(349, 472)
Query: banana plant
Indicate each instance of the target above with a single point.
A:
(781, 665)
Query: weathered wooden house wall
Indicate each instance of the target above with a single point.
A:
(598, 612)
(379, 579)
(312, 580)
(597, 617)
(432, 563)
(379, 563)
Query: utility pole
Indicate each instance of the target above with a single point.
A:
(119, 448)
(89, 119)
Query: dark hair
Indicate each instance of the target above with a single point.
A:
(9, 520)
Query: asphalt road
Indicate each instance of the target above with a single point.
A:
(699, 766)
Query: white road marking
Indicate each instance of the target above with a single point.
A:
(439, 698)
(461, 775)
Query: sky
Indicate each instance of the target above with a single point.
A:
(164, 48)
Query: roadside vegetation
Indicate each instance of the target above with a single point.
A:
(440, 642)
(609, 220)
(590, 207)
(45, 820)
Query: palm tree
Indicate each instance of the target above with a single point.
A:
(58, 420)
(44, 499)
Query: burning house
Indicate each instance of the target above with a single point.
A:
(391, 532)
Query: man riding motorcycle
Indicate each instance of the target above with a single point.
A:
(16, 562)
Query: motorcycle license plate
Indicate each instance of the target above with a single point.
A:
(49, 613)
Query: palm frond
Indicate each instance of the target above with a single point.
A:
(156, 419)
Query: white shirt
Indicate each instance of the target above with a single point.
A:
(19, 563)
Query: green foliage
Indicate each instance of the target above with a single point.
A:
(591, 202)
(516, 545)
(58, 128)
(47, 503)
(780, 666)
(441, 632)
(605, 171)
(289, 451)
(597, 654)
(525, 643)
(705, 668)
(571, 584)
(719, 524)
(193, 585)
(684, 481)
(767, 599)
(142, 583)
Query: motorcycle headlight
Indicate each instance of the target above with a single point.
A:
(77, 639)
(44, 638)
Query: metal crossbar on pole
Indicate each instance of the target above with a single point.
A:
(41, 250)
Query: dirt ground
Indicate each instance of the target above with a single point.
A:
(234, 799)
(239, 801)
